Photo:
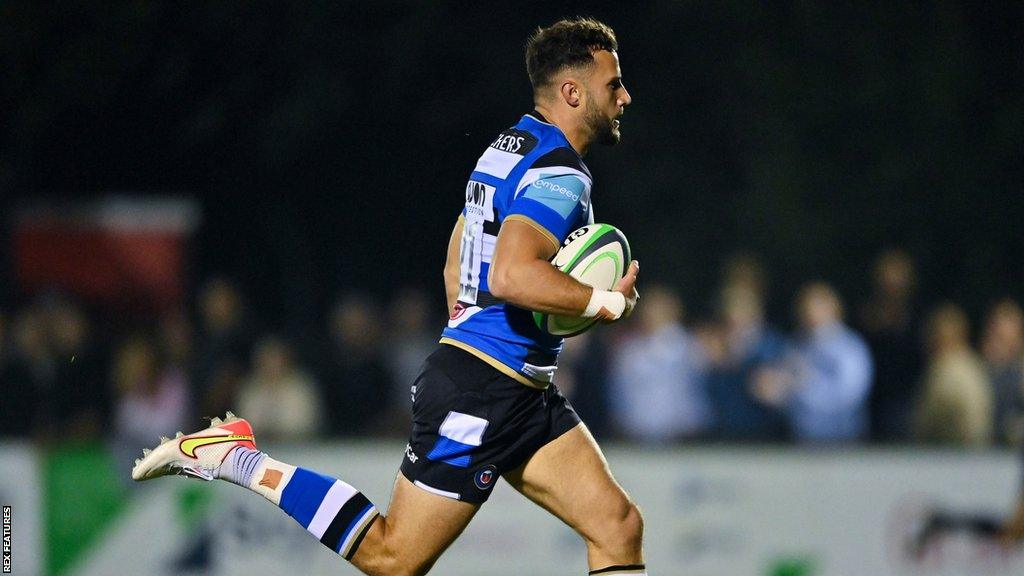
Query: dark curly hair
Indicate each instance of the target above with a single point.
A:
(567, 43)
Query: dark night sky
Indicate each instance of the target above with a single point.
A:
(329, 142)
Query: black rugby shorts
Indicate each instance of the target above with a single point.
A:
(471, 423)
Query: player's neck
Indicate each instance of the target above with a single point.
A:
(573, 129)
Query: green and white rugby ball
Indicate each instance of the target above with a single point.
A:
(597, 255)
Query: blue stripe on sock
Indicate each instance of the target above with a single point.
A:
(303, 495)
(350, 527)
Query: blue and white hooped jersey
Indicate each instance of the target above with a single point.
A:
(529, 173)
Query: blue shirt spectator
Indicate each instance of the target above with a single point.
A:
(656, 377)
(741, 350)
(828, 402)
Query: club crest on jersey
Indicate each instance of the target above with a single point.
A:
(462, 312)
(484, 479)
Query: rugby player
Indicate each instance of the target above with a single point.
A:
(484, 404)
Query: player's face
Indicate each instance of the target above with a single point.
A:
(607, 98)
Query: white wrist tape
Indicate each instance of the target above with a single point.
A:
(607, 304)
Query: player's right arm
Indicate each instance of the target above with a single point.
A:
(522, 274)
(452, 265)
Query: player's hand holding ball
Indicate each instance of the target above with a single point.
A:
(627, 287)
(596, 255)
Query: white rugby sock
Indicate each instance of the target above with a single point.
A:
(240, 466)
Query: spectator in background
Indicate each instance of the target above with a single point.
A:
(411, 338)
(657, 377)
(19, 405)
(583, 373)
(1002, 347)
(222, 347)
(29, 369)
(890, 325)
(150, 399)
(357, 385)
(745, 270)
(827, 400)
(175, 334)
(280, 399)
(740, 349)
(955, 406)
(79, 398)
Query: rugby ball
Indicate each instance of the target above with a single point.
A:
(597, 255)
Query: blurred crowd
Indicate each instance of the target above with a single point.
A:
(880, 367)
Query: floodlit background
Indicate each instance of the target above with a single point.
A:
(247, 206)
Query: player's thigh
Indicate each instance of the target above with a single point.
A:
(570, 478)
(419, 526)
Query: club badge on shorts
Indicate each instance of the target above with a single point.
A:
(484, 479)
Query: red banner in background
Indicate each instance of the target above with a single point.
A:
(127, 254)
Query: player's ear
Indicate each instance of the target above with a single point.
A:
(570, 92)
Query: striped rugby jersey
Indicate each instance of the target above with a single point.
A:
(530, 173)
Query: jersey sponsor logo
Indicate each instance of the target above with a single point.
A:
(508, 143)
(410, 454)
(480, 200)
(515, 142)
(561, 193)
(189, 445)
(555, 187)
(476, 194)
(484, 479)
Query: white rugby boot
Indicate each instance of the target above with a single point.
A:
(196, 455)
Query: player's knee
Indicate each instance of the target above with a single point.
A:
(397, 566)
(409, 569)
(397, 563)
(621, 528)
(631, 527)
(381, 555)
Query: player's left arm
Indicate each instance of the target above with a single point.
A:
(552, 199)
(522, 274)
(452, 265)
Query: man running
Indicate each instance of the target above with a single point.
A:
(484, 404)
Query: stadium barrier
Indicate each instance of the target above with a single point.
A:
(708, 511)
